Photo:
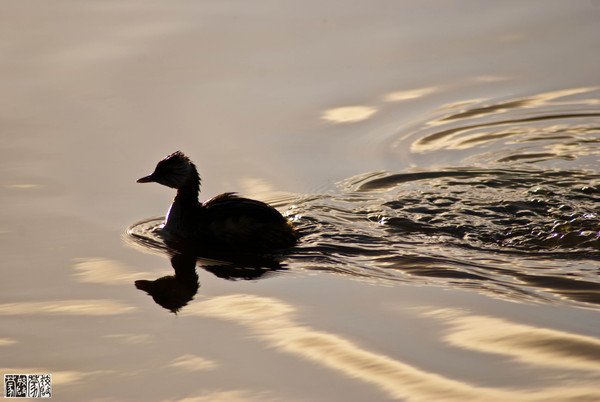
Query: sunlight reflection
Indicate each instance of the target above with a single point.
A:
(562, 93)
(97, 307)
(349, 114)
(520, 103)
(259, 188)
(22, 186)
(7, 341)
(191, 362)
(465, 128)
(460, 105)
(399, 96)
(104, 271)
(525, 343)
(273, 321)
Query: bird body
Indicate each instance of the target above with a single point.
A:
(225, 222)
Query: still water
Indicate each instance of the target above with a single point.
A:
(439, 158)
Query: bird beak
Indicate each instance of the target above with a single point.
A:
(146, 179)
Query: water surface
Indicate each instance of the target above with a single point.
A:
(440, 160)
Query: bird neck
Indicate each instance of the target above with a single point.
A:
(181, 218)
(188, 193)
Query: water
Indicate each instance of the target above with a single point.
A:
(440, 161)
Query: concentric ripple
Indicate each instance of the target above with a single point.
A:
(554, 126)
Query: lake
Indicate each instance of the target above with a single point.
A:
(440, 160)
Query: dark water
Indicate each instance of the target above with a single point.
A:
(440, 160)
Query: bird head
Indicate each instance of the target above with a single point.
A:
(173, 171)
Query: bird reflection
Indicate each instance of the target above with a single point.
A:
(173, 292)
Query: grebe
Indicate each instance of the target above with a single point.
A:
(225, 222)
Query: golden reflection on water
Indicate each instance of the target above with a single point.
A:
(67, 377)
(525, 343)
(91, 307)
(354, 114)
(410, 94)
(104, 271)
(349, 114)
(23, 186)
(7, 341)
(563, 93)
(273, 321)
(466, 136)
(254, 187)
(131, 339)
(191, 362)
(529, 102)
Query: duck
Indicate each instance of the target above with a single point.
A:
(226, 222)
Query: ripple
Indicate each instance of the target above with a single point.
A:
(560, 125)
(147, 233)
(502, 222)
(521, 234)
